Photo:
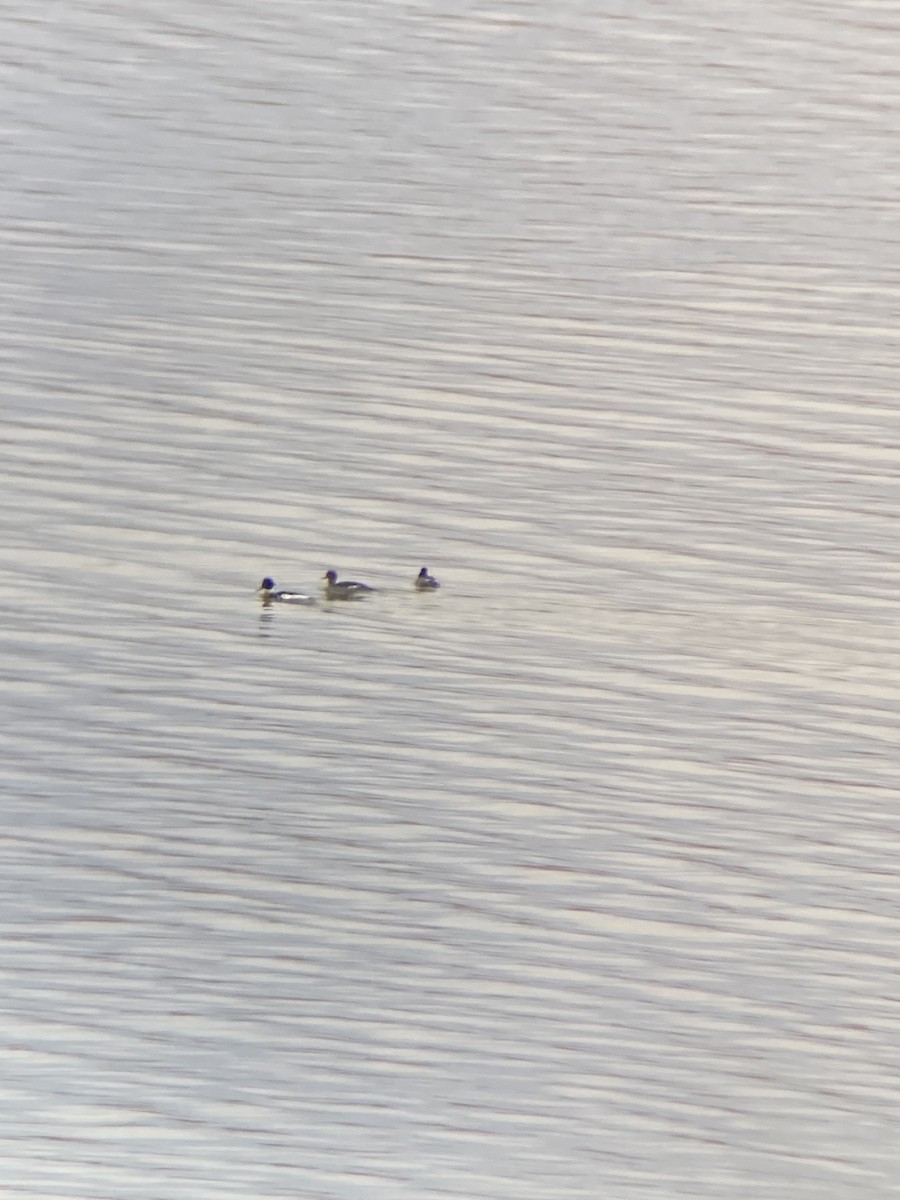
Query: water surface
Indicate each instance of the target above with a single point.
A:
(578, 876)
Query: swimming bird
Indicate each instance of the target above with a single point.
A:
(344, 589)
(426, 582)
(269, 594)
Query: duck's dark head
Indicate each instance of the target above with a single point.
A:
(331, 576)
(267, 585)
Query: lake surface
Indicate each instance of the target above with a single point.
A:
(577, 878)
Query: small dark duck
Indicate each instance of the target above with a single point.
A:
(426, 582)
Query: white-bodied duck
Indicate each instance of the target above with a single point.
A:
(269, 594)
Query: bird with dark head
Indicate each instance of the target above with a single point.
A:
(269, 594)
(426, 582)
(344, 589)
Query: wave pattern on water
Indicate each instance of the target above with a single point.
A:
(578, 876)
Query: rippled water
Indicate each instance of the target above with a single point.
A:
(578, 877)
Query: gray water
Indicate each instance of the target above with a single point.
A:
(577, 878)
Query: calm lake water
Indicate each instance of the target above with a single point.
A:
(579, 877)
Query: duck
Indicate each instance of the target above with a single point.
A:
(426, 582)
(343, 589)
(270, 594)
